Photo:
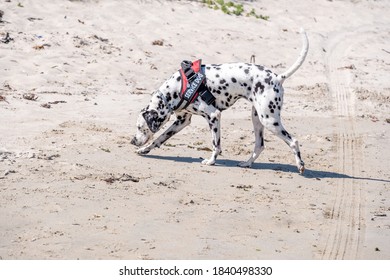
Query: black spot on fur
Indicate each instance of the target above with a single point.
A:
(261, 68)
(234, 80)
(285, 133)
(246, 71)
(276, 124)
(160, 105)
(178, 78)
(272, 111)
(259, 87)
(222, 81)
(268, 80)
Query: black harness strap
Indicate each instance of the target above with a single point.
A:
(196, 85)
(187, 69)
(204, 93)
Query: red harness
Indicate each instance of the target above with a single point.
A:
(185, 74)
(193, 84)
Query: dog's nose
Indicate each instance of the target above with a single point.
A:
(133, 141)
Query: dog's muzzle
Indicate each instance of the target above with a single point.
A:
(134, 141)
(138, 142)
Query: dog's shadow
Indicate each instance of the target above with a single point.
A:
(287, 168)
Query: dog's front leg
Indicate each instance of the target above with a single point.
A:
(214, 123)
(182, 120)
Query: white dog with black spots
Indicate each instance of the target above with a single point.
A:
(228, 83)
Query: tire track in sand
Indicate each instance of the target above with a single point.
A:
(347, 227)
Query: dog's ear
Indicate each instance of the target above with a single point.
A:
(152, 120)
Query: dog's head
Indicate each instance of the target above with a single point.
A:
(159, 110)
(150, 120)
(148, 123)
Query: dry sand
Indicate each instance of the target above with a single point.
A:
(72, 186)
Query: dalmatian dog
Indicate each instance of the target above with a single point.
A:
(227, 83)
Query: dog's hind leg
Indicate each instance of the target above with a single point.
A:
(258, 129)
(275, 125)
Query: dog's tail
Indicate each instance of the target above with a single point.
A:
(300, 60)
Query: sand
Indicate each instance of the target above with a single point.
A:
(74, 76)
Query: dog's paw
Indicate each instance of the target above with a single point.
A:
(208, 162)
(245, 164)
(143, 151)
(301, 167)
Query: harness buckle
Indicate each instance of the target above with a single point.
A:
(207, 96)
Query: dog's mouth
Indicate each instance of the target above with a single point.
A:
(135, 142)
(139, 142)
